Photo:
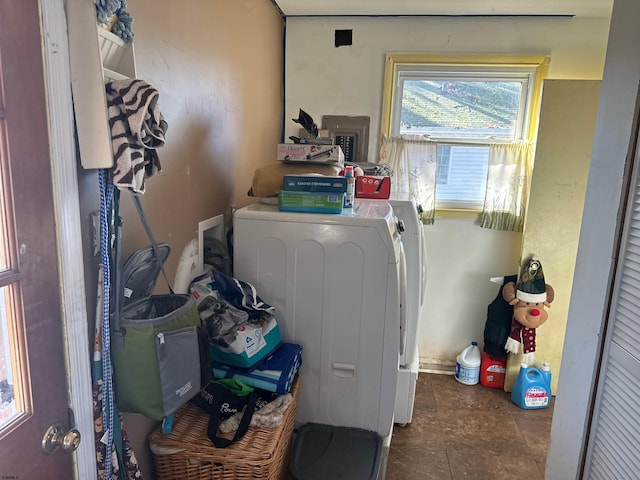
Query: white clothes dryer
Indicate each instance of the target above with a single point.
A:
(337, 284)
(408, 212)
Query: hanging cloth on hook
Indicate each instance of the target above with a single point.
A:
(137, 131)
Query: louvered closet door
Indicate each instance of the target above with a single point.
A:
(613, 447)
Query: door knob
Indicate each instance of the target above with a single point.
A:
(55, 437)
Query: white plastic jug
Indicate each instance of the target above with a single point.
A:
(468, 365)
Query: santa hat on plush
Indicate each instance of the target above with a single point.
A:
(530, 297)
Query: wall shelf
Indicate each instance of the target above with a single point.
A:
(96, 56)
(118, 62)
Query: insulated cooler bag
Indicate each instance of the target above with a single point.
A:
(155, 349)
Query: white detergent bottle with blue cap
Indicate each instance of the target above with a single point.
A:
(468, 365)
(532, 388)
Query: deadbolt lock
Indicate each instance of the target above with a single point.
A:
(55, 437)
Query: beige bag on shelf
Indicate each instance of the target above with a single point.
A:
(267, 180)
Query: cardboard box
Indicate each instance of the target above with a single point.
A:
(310, 202)
(299, 152)
(315, 183)
(370, 186)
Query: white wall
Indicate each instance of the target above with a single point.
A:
(461, 257)
(325, 80)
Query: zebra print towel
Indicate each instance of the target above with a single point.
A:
(137, 130)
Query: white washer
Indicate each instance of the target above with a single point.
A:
(337, 283)
(406, 209)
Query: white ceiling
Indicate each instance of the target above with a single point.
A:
(580, 8)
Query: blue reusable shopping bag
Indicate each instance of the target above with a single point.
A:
(242, 328)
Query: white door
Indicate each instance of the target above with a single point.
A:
(612, 451)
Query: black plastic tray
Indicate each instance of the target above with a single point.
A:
(324, 452)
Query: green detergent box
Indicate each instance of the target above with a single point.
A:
(310, 202)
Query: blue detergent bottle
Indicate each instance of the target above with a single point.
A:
(532, 388)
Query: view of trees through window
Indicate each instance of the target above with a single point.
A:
(461, 109)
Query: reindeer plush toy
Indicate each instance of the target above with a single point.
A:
(529, 298)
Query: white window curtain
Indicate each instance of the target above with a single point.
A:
(508, 181)
(413, 160)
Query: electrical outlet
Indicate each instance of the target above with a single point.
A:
(210, 229)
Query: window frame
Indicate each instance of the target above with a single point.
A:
(402, 66)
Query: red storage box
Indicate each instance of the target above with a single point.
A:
(369, 186)
(492, 371)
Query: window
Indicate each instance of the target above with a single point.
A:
(444, 163)
(464, 104)
(465, 178)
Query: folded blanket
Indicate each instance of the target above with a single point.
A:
(269, 416)
(137, 130)
(274, 374)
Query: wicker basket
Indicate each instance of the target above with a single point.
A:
(187, 453)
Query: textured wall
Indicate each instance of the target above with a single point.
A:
(218, 67)
(556, 200)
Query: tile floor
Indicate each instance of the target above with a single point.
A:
(468, 432)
